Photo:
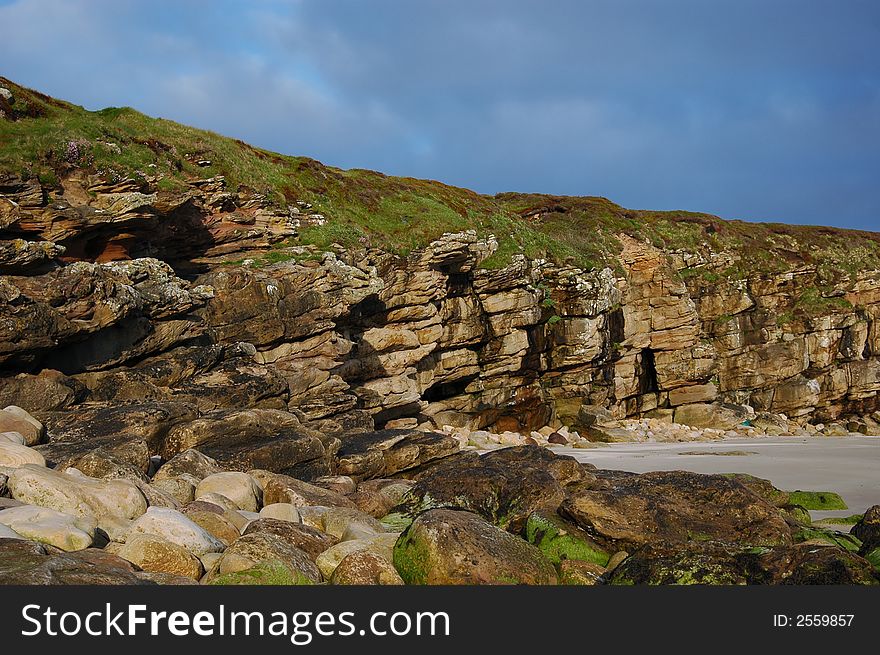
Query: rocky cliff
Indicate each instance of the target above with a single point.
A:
(225, 365)
(122, 289)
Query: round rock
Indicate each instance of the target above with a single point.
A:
(173, 526)
(14, 455)
(152, 553)
(238, 487)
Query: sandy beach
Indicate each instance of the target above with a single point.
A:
(848, 465)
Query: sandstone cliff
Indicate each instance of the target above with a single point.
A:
(165, 290)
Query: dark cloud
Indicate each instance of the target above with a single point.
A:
(750, 109)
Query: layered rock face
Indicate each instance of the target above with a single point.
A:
(356, 340)
(178, 418)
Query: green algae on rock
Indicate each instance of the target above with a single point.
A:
(454, 547)
(817, 500)
(560, 540)
(723, 564)
(267, 572)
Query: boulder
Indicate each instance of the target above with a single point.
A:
(281, 512)
(130, 430)
(381, 545)
(708, 563)
(279, 488)
(867, 530)
(156, 497)
(29, 563)
(154, 554)
(453, 547)
(12, 437)
(310, 540)
(629, 510)
(77, 495)
(365, 568)
(181, 488)
(13, 455)
(341, 484)
(703, 415)
(173, 526)
(817, 500)
(240, 488)
(116, 529)
(217, 525)
(373, 503)
(504, 486)
(244, 439)
(265, 573)
(561, 540)
(386, 452)
(251, 549)
(48, 526)
(47, 391)
(762, 488)
(189, 462)
(343, 523)
(590, 415)
(378, 497)
(218, 500)
(15, 419)
(394, 489)
(101, 463)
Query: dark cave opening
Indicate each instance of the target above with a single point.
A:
(458, 284)
(647, 372)
(444, 390)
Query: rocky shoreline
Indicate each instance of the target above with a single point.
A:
(404, 507)
(231, 367)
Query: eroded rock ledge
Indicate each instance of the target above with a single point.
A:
(363, 339)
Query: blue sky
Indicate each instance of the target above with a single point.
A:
(754, 109)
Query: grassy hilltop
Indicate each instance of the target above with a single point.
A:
(51, 139)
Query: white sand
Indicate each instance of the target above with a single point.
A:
(849, 465)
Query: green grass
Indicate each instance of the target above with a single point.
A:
(400, 214)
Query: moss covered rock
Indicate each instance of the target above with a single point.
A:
(251, 549)
(396, 521)
(310, 540)
(267, 572)
(627, 510)
(868, 529)
(874, 558)
(817, 500)
(825, 536)
(797, 514)
(724, 564)
(761, 487)
(453, 547)
(560, 540)
(684, 564)
(503, 487)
